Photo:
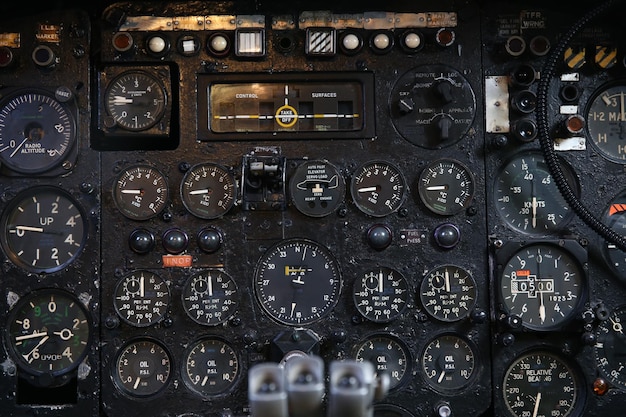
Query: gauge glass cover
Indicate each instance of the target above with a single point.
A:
(211, 367)
(143, 368)
(141, 298)
(381, 294)
(448, 293)
(140, 192)
(378, 188)
(210, 297)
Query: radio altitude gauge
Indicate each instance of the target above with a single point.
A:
(136, 100)
(297, 282)
(36, 132)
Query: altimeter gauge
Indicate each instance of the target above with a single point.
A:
(49, 332)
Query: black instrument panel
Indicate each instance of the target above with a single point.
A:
(192, 189)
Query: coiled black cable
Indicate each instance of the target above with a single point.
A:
(547, 144)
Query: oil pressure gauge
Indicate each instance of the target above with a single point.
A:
(378, 188)
(389, 355)
(211, 367)
(143, 368)
(449, 363)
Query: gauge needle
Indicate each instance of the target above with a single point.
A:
(196, 192)
(141, 287)
(437, 188)
(293, 308)
(31, 336)
(119, 100)
(210, 283)
(367, 189)
(534, 212)
(447, 275)
(380, 281)
(443, 373)
(542, 308)
(536, 410)
(18, 147)
(617, 326)
(29, 229)
(28, 357)
(130, 191)
(137, 381)
(65, 334)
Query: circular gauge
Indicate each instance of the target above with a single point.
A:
(297, 281)
(378, 188)
(541, 384)
(136, 100)
(44, 229)
(211, 367)
(210, 297)
(610, 348)
(143, 368)
(433, 106)
(615, 218)
(317, 188)
(446, 187)
(208, 190)
(448, 293)
(381, 294)
(140, 192)
(606, 121)
(36, 132)
(527, 198)
(141, 298)
(543, 284)
(389, 410)
(449, 363)
(389, 355)
(49, 332)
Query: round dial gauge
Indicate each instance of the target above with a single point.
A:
(43, 229)
(143, 368)
(527, 198)
(433, 106)
(378, 188)
(615, 218)
(381, 294)
(140, 192)
(208, 190)
(210, 297)
(541, 384)
(606, 121)
(49, 332)
(211, 367)
(543, 284)
(610, 348)
(446, 187)
(449, 363)
(141, 298)
(136, 100)
(36, 132)
(317, 188)
(389, 355)
(448, 293)
(297, 282)
(389, 410)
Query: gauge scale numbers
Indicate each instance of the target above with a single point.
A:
(211, 367)
(541, 384)
(544, 285)
(143, 368)
(210, 297)
(297, 282)
(448, 293)
(381, 294)
(141, 298)
(49, 332)
(389, 355)
(140, 192)
(610, 348)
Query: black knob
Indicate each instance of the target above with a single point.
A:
(379, 236)
(209, 240)
(141, 241)
(175, 241)
(447, 235)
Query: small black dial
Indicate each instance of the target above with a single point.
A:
(615, 218)
(49, 332)
(381, 294)
(211, 367)
(433, 106)
(210, 297)
(136, 100)
(317, 188)
(378, 188)
(541, 384)
(140, 192)
(297, 281)
(527, 198)
(446, 187)
(143, 368)
(36, 132)
(389, 355)
(543, 284)
(610, 348)
(449, 363)
(43, 229)
(606, 122)
(141, 298)
(448, 293)
(208, 190)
